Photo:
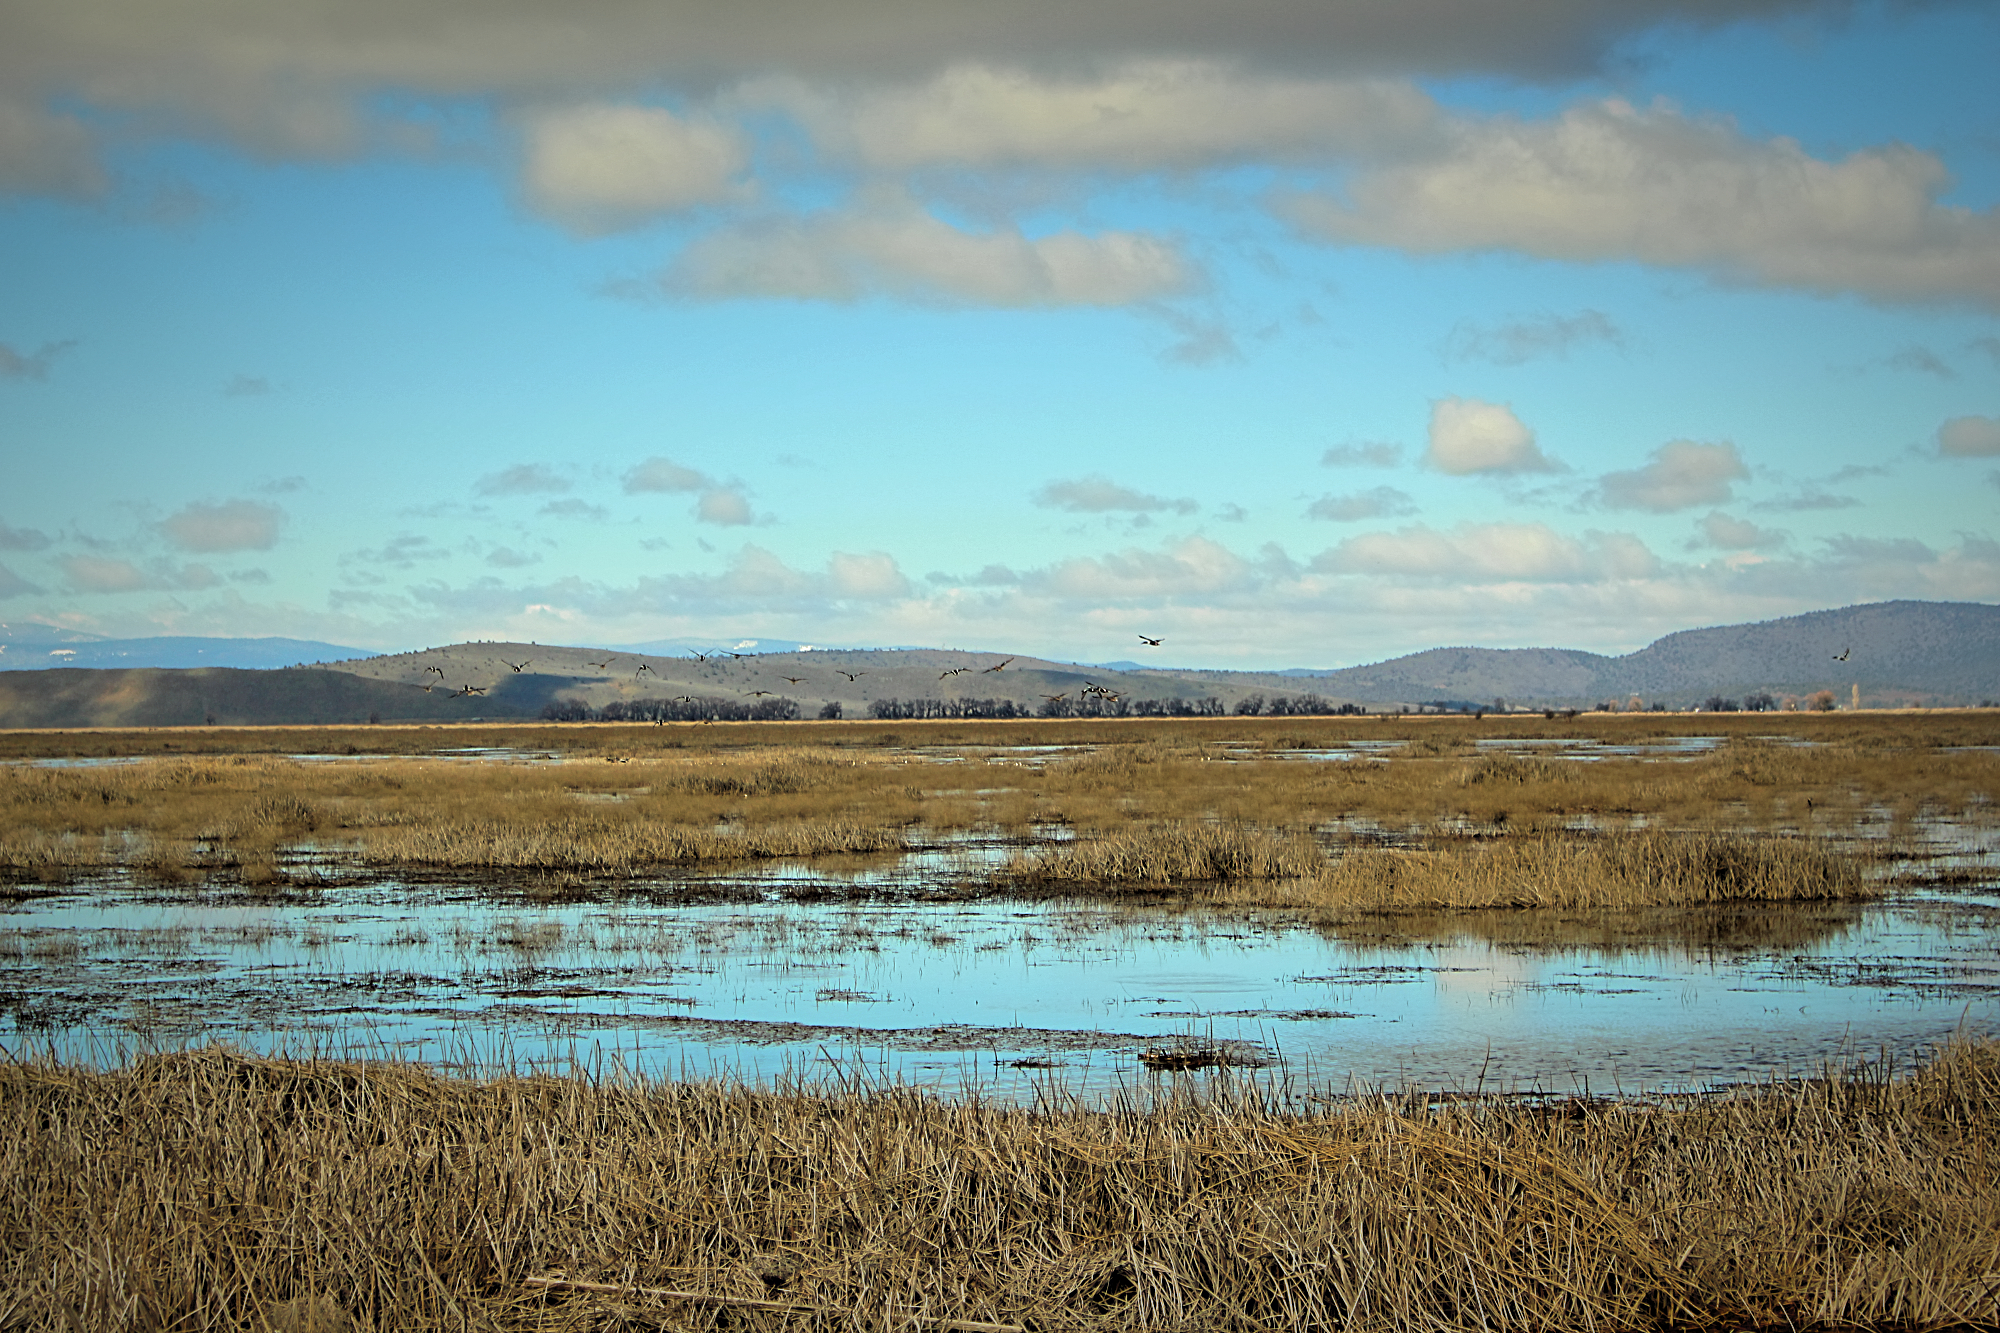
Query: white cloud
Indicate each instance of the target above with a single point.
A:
(1098, 494)
(724, 507)
(891, 247)
(1379, 502)
(1683, 473)
(1969, 437)
(99, 574)
(1362, 455)
(521, 479)
(1609, 182)
(1518, 341)
(663, 475)
(235, 525)
(1736, 534)
(1469, 436)
(1150, 116)
(871, 576)
(1491, 552)
(600, 168)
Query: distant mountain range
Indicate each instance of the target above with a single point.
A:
(31, 646)
(1894, 653)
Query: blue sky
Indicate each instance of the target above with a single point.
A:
(1297, 334)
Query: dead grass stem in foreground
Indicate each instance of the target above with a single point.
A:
(210, 1190)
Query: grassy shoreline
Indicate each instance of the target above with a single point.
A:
(209, 1189)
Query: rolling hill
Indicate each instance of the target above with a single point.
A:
(1896, 653)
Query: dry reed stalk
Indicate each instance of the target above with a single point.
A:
(209, 1189)
(752, 1303)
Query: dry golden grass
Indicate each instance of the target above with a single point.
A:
(209, 1190)
(1170, 803)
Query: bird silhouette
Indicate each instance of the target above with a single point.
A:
(792, 680)
(1841, 656)
(601, 665)
(760, 694)
(1055, 698)
(471, 689)
(955, 671)
(852, 675)
(990, 670)
(437, 669)
(699, 656)
(1150, 643)
(517, 669)
(685, 699)
(645, 668)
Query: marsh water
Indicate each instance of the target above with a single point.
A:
(865, 966)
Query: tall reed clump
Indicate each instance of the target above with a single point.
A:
(1174, 853)
(211, 1190)
(607, 847)
(1648, 868)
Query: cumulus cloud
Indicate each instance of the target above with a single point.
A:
(1159, 115)
(662, 475)
(506, 557)
(1098, 494)
(1362, 455)
(1969, 437)
(402, 552)
(1519, 341)
(31, 365)
(600, 168)
(1607, 181)
(891, 247)
(1492, 552)
(306, 79)
(13, 585)
(1683, 473)
(234, 525)
(1736, 534)
(101, 574)
(1380, 502)
(573, 509)
(521, 479)
(22, 539)
(45, 153)
(1469, 436)
(724, 507)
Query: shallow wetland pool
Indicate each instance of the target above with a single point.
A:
(911, 966)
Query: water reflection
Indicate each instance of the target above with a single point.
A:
(913, 982)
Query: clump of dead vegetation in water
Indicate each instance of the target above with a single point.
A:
(212, 1190)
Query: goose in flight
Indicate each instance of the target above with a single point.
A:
(1149, 642)
(760, 694)
(1055, 698)
(793, 680)
(517, 669)
(437, 670)
(987, 671)
(684, 699)
(699, 655)
(852, 675)
(955, 671)
(470, 689)
(601, 665)
(1841, 656)
(644, 668)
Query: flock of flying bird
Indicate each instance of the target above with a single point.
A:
(1091, 689)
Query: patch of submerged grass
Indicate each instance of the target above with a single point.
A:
(210, 1189)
